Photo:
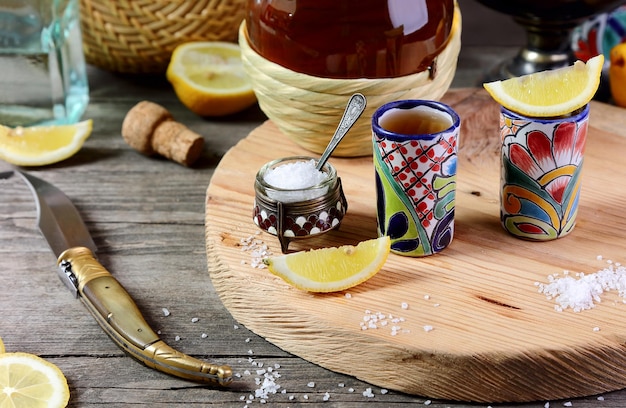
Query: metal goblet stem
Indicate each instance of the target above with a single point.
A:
(549, 25)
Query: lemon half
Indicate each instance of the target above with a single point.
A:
(209, 79)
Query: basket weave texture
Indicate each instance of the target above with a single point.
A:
(307, 109)
(139, 36)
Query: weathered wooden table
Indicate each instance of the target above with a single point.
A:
(147, 219)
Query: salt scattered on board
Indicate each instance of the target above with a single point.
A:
(257, 249)
(583, 291)
(376, 320)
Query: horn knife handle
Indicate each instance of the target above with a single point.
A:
(119, 316)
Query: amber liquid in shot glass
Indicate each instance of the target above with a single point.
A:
(415, 123)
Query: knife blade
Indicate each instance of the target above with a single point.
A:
(110, 304)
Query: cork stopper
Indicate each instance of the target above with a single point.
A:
(150, 129)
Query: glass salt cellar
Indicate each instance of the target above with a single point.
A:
(298, 213)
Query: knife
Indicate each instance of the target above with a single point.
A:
(109, 303)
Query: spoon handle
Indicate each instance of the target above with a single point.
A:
(354, 109)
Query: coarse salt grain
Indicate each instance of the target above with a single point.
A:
(298, 177)
(166, 312)
(257, 249)
(583, 291)
(266, 382)
(376, 320)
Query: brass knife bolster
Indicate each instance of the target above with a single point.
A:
(119, 316)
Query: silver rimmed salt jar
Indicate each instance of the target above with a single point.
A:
(293, 200)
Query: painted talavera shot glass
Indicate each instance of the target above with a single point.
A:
(540, 179)
(415, 159)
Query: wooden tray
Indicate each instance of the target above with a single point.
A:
(494, 337)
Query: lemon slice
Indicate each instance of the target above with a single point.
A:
(41, 145)
(2, 349)
(209, 79)
(549, 93)
(29, 381)
(617, 74)
(331, 269)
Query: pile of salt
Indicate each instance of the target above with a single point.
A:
(294, 181)
(581, 293)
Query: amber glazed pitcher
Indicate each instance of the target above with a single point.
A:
(348, 39)
(305, 58)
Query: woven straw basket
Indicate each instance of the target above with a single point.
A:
(138, 36)
(307, 108)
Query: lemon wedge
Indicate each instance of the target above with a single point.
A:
(28, 381)
(331, 269)
(42, 145)
(209, 79)
(2, 349)
(549, 93)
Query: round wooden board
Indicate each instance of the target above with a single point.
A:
(494, 337)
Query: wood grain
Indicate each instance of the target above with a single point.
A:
(495, 338)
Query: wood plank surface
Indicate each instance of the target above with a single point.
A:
(147, 218)
(494, 337)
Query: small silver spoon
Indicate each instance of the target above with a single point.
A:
(354, 109)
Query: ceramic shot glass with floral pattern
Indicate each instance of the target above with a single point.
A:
(415, 155)
(541, 173)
